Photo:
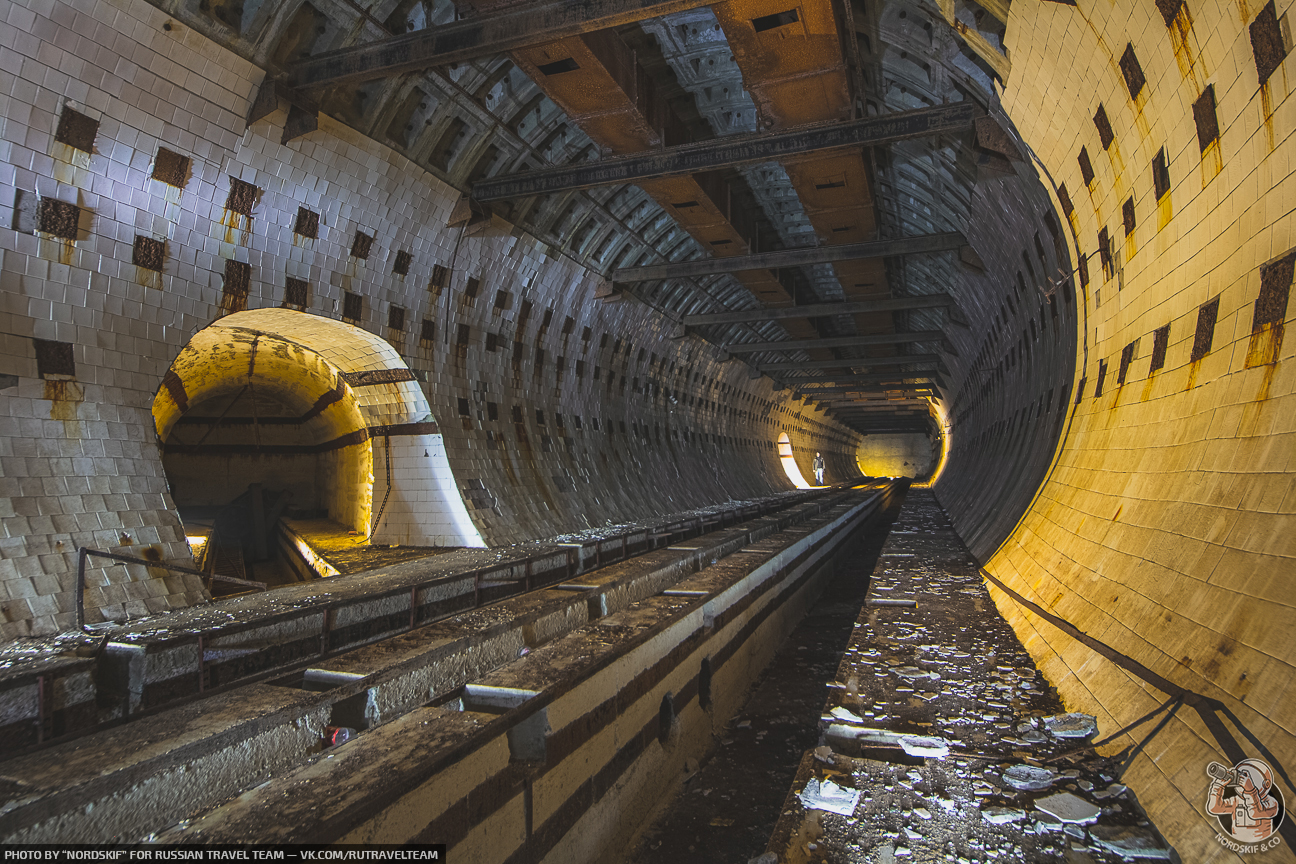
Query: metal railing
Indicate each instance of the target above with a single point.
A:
(85, 553)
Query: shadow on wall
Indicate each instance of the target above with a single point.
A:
(902, 455)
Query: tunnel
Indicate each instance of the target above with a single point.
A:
(449, 379)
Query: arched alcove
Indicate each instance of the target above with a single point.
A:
(789, 462)
(273, 411)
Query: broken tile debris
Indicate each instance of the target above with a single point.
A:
(959, 749)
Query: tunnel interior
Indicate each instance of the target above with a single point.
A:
(438, 308)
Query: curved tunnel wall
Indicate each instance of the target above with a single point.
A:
(558, 411)
(1164, 529)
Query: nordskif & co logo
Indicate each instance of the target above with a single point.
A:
(1246, 804)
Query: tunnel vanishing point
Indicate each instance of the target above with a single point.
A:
(356, 357)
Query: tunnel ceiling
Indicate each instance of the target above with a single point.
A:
(684, 72)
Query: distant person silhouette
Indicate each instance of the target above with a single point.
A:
(818, 469)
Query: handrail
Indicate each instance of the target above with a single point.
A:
(85, 552)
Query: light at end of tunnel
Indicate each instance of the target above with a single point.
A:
(946, 437)
(196, 543)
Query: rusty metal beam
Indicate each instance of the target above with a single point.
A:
(836, 342)
(898, 378)
(846, 362)
(795, 258)
(732, 150)
(462, 41)
(859, 307)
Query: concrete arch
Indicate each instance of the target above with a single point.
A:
(349, 389)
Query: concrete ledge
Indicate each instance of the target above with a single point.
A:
(601, 713)
(165, 658)
(283, 725)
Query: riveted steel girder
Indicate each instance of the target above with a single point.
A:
(731, 150)
(795, 258)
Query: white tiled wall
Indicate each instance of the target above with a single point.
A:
(151, 86)
(1165, 529)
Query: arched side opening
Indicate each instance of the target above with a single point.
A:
(789, 462)
(272, 412)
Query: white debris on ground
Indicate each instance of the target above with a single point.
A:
(958, 748)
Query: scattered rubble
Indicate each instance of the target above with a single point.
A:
(959, 749)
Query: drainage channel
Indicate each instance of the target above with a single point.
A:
(77, 686)
(132, 780)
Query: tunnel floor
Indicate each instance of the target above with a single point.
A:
(729, 804)
(1013, 787)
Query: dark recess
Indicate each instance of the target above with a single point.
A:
(307, 224)
(1169, 9)
(54, 358)
(76, 130)
(1127, 357)
(1205, 330)
(428, 332)
(1105, 133)
(58, 218)
(148, 253)
(1067, 207)
(242, 197)
(402, 263)
(352, 307)
(778, 19)
(440, 274)
(1127, 213)
(238, 277)
(1204, 116)
(396, 318)
(1160, 341)
(1086, 167)
(558, 67)
(296, 292)
(1132, 71)
(361, 245)
(171, 168)
(1275, 286)
(1267, 42)
(1160, 174)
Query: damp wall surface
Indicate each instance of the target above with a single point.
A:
(557, 411)
(1164, 528)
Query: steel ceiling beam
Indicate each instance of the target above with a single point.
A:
(731, 150)
(843, 362)
(817, 310)
(836, 342)
(878, 394)
(473, 38)
(917, 245)
(877, 378)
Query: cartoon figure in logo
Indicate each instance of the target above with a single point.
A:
(1244, 799)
